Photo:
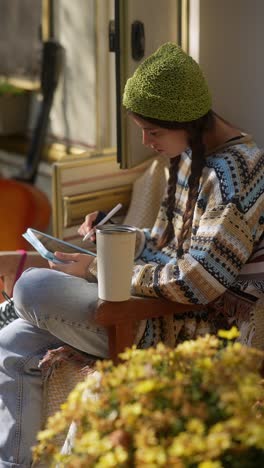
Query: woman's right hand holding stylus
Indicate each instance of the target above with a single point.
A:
(87, 225)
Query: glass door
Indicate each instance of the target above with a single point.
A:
(140, 28)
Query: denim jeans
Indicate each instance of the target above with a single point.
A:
(54, 308)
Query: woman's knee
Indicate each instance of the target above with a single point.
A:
(31, 293)
(43, 295)
(26, 287)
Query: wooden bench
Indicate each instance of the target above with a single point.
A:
(118, 318)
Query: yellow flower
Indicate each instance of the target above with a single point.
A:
(210, 464)
(146, 386)
(46, 434)
(164, 407)
(179, 376)
(218, 442)
(196, 426)
(112, 459)
(206, 362)
(155, 455)
(129, 412)
(229, 334)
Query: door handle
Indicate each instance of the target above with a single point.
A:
(137, 40)
(112, 36)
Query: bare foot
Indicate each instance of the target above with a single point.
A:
(9, 262)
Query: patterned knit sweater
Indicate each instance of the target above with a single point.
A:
(228, 221)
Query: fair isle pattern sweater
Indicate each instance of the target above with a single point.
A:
(228, 221)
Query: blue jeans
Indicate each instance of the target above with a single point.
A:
(54, 309)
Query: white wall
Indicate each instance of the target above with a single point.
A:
(73, 116)
(231, 55)
(85, 100)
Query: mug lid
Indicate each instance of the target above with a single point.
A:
(115, 229)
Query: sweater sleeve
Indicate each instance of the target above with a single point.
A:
(222, 243)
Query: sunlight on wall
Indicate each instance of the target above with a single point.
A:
(194, 29)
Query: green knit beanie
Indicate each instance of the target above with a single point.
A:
(168, 85)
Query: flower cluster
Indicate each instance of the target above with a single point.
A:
(198, 405)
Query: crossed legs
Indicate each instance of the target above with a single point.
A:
(54, 308)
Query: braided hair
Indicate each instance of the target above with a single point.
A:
(195, 131)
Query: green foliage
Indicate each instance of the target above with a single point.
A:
(7, 89)
(198, 405)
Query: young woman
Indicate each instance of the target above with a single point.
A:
(209, 223)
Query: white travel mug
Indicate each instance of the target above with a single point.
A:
(115, 258)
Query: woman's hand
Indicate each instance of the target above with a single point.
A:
(88, 225)
(78, 264)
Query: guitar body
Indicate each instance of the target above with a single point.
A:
(21, 206)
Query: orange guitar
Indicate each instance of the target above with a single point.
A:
(22, 205)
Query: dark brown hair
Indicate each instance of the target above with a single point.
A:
(195, 131)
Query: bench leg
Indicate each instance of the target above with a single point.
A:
(120, 336)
